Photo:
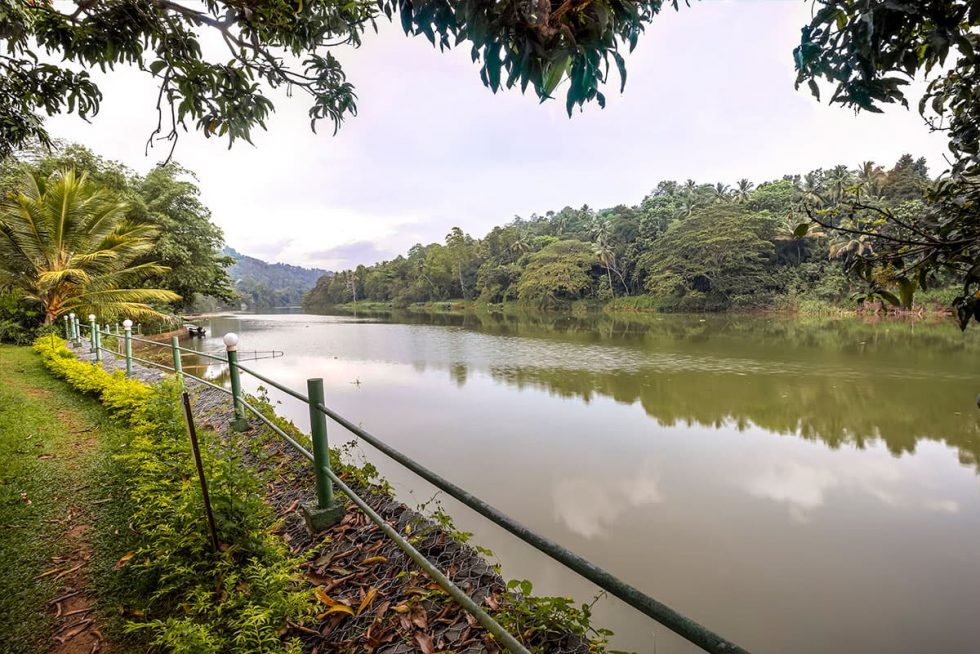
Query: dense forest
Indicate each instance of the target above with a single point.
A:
(685, 247)
(260, 285)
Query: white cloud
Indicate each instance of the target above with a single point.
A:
(803, 483)
(589, 506)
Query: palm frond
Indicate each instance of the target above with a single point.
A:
(66, 242)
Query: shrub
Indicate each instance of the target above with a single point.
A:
(192, 599)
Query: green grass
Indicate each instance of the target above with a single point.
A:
(55, 449)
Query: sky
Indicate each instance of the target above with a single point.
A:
(709, 96)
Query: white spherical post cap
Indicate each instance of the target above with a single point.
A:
(127, 324)
(231, 341)
(71, 315)
(91, 316)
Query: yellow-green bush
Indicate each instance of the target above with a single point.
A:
(192, 600)
(119, 393)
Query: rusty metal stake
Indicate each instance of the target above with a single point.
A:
(189, 416)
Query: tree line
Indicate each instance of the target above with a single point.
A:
(80, 234)
(687, 246)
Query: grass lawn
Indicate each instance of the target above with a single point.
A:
(57, 502)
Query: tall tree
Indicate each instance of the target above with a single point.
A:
(461, 247)
(714, 260)
(66, 246)
(189, 244)
(558, 273)
(870, 51)
(743, 190)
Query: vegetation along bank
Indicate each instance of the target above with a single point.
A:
(685, 247)
(149, 577)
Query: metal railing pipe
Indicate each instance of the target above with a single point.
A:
(276, 428)
(658, 611)
(499, 633)
(210, 384)
(285, 389)
(147, 341)
(206, 355)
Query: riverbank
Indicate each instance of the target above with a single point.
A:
(346, 589)
(933, 307)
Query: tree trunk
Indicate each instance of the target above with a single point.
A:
(459, 269)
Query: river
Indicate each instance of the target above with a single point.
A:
(804, 486)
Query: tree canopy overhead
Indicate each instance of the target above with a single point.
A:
(275, 43)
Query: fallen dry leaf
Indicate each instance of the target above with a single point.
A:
(324, 598)
(371, 594)
(425, 643)
(123, 560)
(336, 608)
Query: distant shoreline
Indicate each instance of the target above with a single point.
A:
(926, 311)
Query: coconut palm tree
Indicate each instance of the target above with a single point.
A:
(606, 256)
(742, 190)
(811, 190)
(839, 180)
(523, 243)
(687, 206)
(721, 192)
(870, 178)
(65, 244)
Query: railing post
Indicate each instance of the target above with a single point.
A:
(92, 331)
(128, 327)
(67, 328)
(327, 512)
(175, 348)
(98, 343)
(231, 346)
(75, 332)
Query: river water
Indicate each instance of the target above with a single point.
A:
(796, 486)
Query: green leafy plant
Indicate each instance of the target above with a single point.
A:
(184, 596)
(539, 620)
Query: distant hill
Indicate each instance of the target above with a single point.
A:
(263, 285)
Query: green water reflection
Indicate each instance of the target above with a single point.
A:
(839, 381)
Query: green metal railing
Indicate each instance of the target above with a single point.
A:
(322, 515)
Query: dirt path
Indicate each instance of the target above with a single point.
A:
(49, 446)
